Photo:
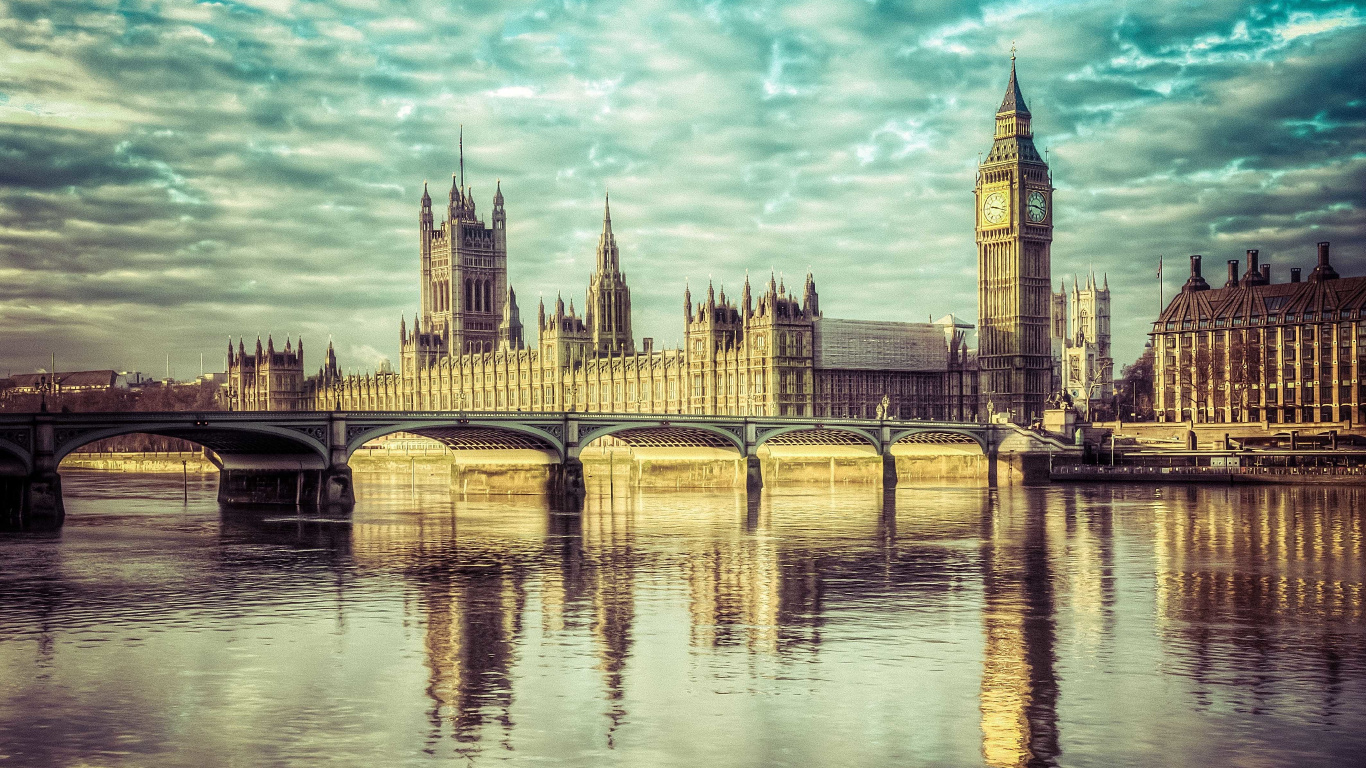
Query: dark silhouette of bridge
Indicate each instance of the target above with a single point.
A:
(301, 457)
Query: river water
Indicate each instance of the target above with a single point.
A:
(1071, 625)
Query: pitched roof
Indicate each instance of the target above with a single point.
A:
(1313, 300)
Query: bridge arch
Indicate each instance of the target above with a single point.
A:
(453, 431)
(224, 438)
(790, 432)
(647, 431)
(940, 435)
(14, 459)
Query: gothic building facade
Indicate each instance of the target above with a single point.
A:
(1014, 282)
(1080, 330)
(767, 352)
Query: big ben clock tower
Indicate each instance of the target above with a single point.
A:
(1014, 281)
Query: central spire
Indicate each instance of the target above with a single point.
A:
(607, 242)
(1014, 100)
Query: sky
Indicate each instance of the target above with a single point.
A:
(175, 173)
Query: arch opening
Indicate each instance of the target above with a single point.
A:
(661, 457)
(941, 456)
(466, 458)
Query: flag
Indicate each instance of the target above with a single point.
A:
(1159, 267)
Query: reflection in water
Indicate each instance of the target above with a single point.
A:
(1019, 697)
(1080, 625)
(1256, 586)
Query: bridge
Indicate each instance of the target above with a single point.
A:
(301, 457)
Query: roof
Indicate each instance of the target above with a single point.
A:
(880, 346)
(1014, 100)
(1313, 300)
(71, 379)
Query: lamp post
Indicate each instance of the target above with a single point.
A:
(45, 385)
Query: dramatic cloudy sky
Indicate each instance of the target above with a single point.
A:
(175, 172)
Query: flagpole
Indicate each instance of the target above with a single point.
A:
(1161, 287)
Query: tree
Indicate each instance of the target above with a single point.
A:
(1134, 398)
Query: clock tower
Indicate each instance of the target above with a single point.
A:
(1014, 281)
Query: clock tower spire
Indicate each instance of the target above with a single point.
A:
(1014, 235)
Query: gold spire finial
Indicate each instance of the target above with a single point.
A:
(1012, 50)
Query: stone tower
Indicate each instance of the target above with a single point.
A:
(608, 307)
(464, 269)
(1014, 281)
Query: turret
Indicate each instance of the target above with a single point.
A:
(510, 329)
(746, 303)
(687, 301)
(500, 218)
(810, 301)
(540, 314)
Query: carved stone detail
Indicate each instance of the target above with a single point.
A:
(20, 437)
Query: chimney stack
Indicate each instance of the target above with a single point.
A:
(1324, 271)
(1253, 276)
(1266, 274)
(1294, 274)
(1195, 282)
(1232, 273)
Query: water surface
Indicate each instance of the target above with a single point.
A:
(1072, 625)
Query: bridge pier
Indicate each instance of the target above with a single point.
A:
(33, 502)
(569, 483)
(889, 478)
(754, 474)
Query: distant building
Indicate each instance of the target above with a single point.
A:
(1080, 331)
(266, 380)
(1254, 350)
(770, 353)
(67, 382)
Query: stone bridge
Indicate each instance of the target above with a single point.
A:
(301, 457)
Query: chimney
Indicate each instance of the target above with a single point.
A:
(1232, 273)
(1253, 276)
(1266, 274)
(1196, 282)
(647, 345)
(1324, 271)
(1294, 274)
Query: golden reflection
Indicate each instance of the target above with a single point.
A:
(734, 585)
(1019, 684)
(1233, 566)
(608, 527)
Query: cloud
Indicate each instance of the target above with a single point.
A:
(172, 174)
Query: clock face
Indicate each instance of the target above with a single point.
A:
(994, 208)
(1037, 206)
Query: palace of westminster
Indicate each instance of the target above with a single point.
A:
(769, 351)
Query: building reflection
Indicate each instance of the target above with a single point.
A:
(608, 528)
(1019, 696)
(746, 591)
(1252, 585)
(470, 593)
